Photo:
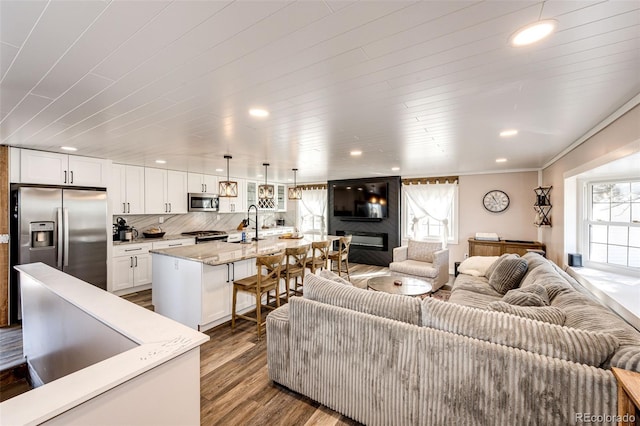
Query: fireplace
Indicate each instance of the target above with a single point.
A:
(374, 238)
(367, 240)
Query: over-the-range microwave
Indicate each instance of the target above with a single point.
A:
(203, 202)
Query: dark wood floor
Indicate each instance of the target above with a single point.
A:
(234, 386)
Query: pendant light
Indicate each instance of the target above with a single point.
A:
(295, 193)
(265, 192)
(227, 188)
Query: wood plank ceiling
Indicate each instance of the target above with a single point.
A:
(424, 86)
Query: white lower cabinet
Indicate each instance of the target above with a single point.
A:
(131, 266)
(198, 295)
(216, 293)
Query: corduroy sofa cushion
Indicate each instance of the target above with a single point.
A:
(549, 314)
(534, 295)
(508, 274)
(392, 306)
(546, 339)
(330, 275)
(498, 261)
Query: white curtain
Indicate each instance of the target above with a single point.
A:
(313, 211)
(432, 200)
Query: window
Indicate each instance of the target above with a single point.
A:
(613, 223)
(312, 212)
(423, 209)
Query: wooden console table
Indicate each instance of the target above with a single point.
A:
(497, 248)
(628, 396)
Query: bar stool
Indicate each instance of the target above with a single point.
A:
(259, 284)
(294, 268)
(342, 255)
(319, 260)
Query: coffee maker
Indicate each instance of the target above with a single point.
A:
(123, 232)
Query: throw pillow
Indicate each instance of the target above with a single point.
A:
(330, 275)
(495, 264)
(476, 265)
(584, 347)
(549, 314)
(508, 274)
(422, 251)
(534, 295)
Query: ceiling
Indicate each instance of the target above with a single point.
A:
(423, 86)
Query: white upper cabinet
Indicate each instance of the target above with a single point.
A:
(126, 191)
(51, 168)
(202, 183)
(165, 191)
(235, 204)
(281, 200)
(177, 191)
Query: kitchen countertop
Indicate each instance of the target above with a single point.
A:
(142, 239)
(170, 237)
(159, 340)
(220, 253)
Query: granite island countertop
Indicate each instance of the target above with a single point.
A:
(220, 253)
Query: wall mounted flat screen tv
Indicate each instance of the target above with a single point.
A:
(365, 200)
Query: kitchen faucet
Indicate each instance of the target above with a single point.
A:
(248, 212)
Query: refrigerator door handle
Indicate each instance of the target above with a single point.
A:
(65, 212)
(60, 236)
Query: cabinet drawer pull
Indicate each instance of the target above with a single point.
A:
(134, 249)
(128, 208)
(136, 261)
(175, 245)
(124, 208)
(71, 173)
(65, 176)
(131, 262)
(169, 207)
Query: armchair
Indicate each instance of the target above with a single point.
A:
(427, 261)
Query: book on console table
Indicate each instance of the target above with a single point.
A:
(487, 236)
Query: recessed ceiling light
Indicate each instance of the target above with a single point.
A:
(395, 169)
(501, 160)
(161, 162)
(258, 112)
(356, 153)
(509, 132)
(219, 170)
(68, 148)
(533, 32)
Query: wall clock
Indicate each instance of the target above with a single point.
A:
(495, 201)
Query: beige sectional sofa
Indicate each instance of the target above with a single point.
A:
(384, 359)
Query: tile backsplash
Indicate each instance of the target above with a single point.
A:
(200, 221)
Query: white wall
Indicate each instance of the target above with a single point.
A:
(515, 223)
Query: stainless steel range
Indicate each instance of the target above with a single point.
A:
(207, 236)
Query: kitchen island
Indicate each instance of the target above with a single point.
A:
(193, 285)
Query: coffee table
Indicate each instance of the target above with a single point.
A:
(410, 286)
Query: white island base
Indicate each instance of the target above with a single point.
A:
(196, 294)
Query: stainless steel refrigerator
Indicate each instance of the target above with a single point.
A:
(64, 228)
